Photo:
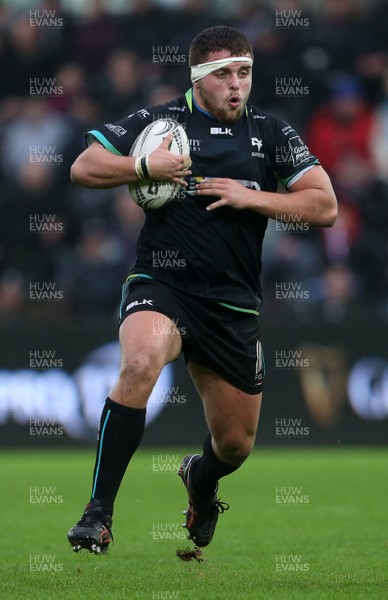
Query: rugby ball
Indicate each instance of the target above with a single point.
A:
(155, 194)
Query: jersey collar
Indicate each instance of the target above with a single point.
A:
(191, 101)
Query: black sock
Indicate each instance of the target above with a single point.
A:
(208, 470)
(120, 433)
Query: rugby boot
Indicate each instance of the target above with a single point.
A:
(93, 530)
(202, 513)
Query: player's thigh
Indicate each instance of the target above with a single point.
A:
(144, 341)
(230, 412)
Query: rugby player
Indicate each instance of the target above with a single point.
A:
(239, 155)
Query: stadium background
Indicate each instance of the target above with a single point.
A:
(64, 250)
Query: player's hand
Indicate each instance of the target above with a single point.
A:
(166, 166)
(231, 193)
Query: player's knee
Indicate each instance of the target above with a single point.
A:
(234, 448)
(141, 369)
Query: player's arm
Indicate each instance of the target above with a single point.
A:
(97, 167)
(311, 199)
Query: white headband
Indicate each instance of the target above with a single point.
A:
(204, 69)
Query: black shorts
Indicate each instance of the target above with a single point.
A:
(225, 340)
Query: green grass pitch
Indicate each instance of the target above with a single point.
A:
(303, 524)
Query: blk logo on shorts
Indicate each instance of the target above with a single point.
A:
(139, 303)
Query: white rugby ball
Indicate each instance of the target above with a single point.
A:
(149, 193)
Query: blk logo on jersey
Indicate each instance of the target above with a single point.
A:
(256, 143)
(220, 131)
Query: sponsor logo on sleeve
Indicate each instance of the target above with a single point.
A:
(117, 129)
(287, 130)
(299, 151)
(143, 113)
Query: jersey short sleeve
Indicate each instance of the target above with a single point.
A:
(118, 137)
(289, 155)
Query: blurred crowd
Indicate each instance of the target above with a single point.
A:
(324, 71)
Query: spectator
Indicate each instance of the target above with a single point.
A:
(70, 80)
(12, 295)
(94, 36)
(37, 136)
(119, 88)
(369, 254)
(340, 133)
(91, 274)
(379, 141)
(26, 58)
(337, 34)
(141, 30)
(27, 205)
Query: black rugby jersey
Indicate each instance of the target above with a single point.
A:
(213, 254)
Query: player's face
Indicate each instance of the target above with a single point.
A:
(224, 93)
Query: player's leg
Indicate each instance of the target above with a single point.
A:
(144, 352)
(232, 416)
